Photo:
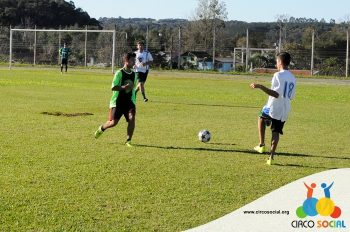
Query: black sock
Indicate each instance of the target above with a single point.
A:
(261, 145)
(143, 94)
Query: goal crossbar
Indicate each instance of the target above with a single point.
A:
(62, 30)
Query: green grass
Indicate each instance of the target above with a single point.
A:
(55, 176)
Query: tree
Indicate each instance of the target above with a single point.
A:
(282, 22)
(209, 19)
(43, 13)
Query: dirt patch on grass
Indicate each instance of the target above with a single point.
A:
(67, 114)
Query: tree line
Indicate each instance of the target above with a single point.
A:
(43, 14)
(176, 36)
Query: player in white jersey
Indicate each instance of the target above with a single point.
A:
(276, 111)
(143, 60)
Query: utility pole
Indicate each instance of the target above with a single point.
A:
(280, 41)
(147, 34)
(214, 46)
(34, 46)
(247, 52)
(234, 59)
(86, 28)
(347, 54)
(10, 64)
(312, 52)
(179, 51)
(59, 44)
(113, 51)
(171, 53)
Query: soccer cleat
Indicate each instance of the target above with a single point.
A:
(145, 99)
(269, 161)
(128, 144)
(259, 149)
(99, 132)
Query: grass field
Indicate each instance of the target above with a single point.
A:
(55, 176)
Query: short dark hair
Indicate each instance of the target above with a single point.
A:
(284, 58)
(127, 56)
(140, 42)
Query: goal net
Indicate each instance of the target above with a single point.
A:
(89, 48)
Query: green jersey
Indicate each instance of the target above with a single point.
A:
(64, 52)
(122, 77)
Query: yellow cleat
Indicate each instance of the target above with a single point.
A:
(259, 149)
(99, 132)
(269, 161)
(128, 144)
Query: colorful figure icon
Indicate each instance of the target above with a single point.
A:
(310, 190)
(313, 206)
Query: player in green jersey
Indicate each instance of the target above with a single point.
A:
(123, 101)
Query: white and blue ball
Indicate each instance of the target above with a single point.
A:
(204, 136)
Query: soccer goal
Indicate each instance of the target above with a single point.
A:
(95, 48)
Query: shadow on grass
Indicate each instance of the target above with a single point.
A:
(246, 151)
(202, 104)
(225, 144)
(316, 156)
(302, 166)
(198, 149)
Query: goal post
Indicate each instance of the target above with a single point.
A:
(34, 45)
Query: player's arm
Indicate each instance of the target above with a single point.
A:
(128, 86)
(116, 85)
(268, 91)
(149, 59)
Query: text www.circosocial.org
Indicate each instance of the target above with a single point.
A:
(285, 212)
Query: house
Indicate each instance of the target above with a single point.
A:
(224, 64)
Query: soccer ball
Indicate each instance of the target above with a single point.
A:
(204, 136)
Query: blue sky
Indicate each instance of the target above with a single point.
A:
(263, 10)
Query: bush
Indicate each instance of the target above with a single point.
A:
(332, 67)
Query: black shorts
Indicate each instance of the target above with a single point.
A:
(276, 125)
(115, 113)
(64, 61)
(142, 77)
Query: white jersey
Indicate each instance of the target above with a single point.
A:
(142, 57)
(284, 83)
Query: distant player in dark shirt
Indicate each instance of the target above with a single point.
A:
(64, 53)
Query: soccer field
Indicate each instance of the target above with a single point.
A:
(55, 176)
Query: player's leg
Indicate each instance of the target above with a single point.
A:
(113, 119)
(141, 78)
(143, 91)
(130, 118)
(276, 129)
(61, 66)
(261, 130)
(142, 85)
(274, 142)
